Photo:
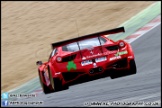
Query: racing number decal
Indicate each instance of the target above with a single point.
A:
(71, 65)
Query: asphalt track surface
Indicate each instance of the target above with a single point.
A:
(143, 86)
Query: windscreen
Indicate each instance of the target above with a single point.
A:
(84, 44)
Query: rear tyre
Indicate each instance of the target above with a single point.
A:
(132, 70)
(114, 74)
(56, 83)
(46, 89)
(65, 87)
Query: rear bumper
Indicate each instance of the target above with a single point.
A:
(119, 64)
(122, 64)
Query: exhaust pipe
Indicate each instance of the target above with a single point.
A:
(100, 69)
(91, 71)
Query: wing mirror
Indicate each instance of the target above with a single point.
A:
(39, 63)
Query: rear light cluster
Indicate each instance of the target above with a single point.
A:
(121, 44)
(59, 59)
(65, 59)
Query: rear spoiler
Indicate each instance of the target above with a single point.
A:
(111, 31)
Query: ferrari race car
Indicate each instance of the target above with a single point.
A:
(90, 55)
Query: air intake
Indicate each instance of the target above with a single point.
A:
(111, 48)
(68, 58)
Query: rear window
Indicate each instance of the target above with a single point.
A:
(84, 44)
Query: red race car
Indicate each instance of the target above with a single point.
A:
(90, 55)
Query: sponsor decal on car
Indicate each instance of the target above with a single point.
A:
(83, 58)
(57, 73)
(86, 62)
(71, 65)
(112, 52)
(130, 56)
(100, 59)
(121, 53)
(94, 55)
(114, 58)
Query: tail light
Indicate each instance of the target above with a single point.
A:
(59, 59)
(121, 44)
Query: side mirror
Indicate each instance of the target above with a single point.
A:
(39, 63)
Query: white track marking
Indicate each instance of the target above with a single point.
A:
(141, 32)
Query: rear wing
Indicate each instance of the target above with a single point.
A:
(98, 34)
